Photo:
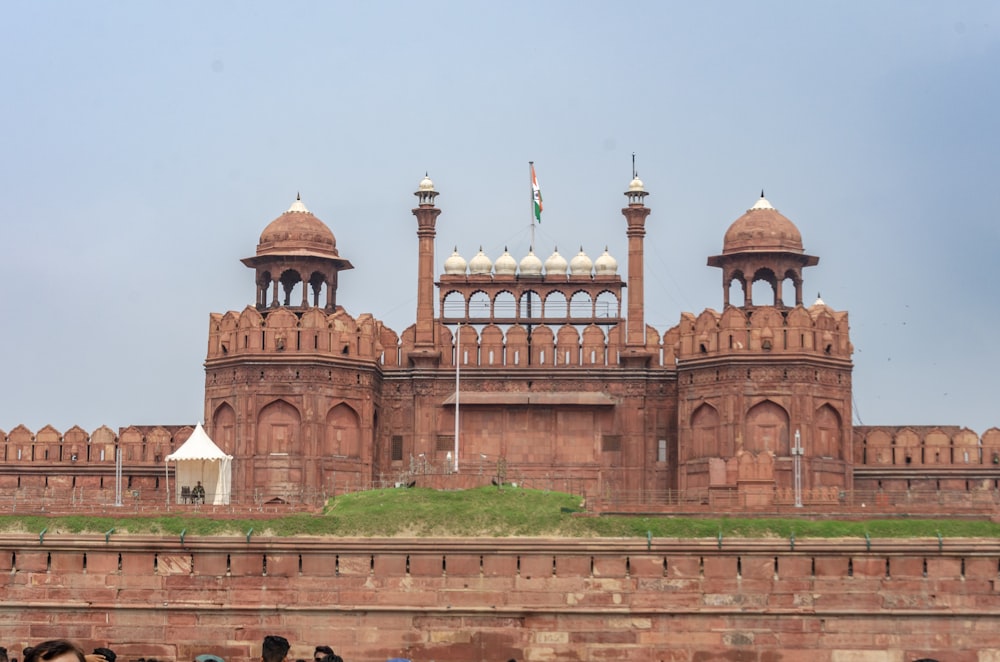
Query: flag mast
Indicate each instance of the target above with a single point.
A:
(532, 185)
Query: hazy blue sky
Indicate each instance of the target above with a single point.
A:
(144, 146)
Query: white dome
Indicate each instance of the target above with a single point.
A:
(556, 264)
(480, 264)
(636, 186)
(606, 265)
(505, 265)
(581, 265)
(426, 184)
(531, 265)
(455, 265)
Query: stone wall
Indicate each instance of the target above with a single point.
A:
(497, 599)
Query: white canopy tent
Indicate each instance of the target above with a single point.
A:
(199, 459)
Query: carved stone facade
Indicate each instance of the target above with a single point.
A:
(554, 379)
(557, 377)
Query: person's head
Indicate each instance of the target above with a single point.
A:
(321, 652)
(56, 650)
(275, 648)
(106, 653)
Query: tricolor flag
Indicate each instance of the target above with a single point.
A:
(536, 193)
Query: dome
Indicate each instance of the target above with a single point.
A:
(636, 186)
(581, 265)
(762, 228)
(426, 184)
(297, 232)
(455, 265)
(505, 265)
(606, 265)
(531, 265)
(480, 265)
(556, 264)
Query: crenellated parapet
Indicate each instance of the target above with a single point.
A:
(544, 346)
(766, 331)
(140, 445)
(287, 333)
(925, 446)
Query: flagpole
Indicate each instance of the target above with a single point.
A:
(531, 248)
(531, 202)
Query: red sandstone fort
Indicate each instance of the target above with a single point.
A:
(540, 373)
(552, 374)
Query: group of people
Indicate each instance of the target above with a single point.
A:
(274, 649)
(61, 650)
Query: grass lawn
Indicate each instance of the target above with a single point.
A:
(487, 511)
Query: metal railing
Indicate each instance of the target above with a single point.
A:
(823, 501)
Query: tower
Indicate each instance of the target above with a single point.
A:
(753, 375)
(290, 382)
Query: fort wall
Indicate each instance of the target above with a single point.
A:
(496, 599)
(892, 448)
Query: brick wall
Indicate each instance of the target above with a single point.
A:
(496, 599)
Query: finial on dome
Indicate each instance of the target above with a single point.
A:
(762, 202)
(298, 205)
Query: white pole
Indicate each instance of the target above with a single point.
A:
(797, 458)
(458, 370)
(118, 475)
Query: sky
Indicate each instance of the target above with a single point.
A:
(144, 146)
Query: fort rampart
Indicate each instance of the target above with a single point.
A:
(495, 599)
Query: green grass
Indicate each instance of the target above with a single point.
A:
(487, 511)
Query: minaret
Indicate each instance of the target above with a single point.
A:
(426, 214)
(635, 218)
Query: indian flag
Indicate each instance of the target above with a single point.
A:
(536, 194)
